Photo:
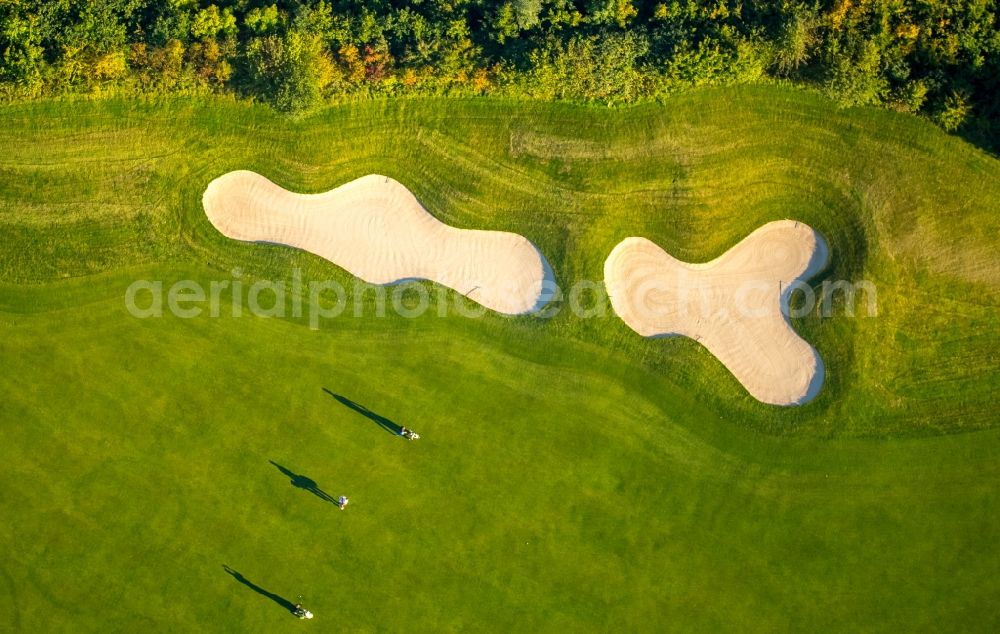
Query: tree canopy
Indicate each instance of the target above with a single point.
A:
(940, 58)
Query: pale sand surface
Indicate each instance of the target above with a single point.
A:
(377, 230)
(735, 305)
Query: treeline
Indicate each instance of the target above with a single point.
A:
(937, 57)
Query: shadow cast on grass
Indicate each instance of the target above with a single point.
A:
(381, 421)
(282, 601)
(306, 484)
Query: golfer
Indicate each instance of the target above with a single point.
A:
(342, 502)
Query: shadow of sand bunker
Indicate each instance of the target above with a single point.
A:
(377, 230)
(736, 305)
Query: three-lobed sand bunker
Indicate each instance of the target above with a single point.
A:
(736, 305)
(377, 230)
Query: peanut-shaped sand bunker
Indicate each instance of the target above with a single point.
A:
(736, 305)
(375, 229)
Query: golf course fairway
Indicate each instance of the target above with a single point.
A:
(571, 475)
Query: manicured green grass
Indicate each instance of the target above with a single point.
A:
(571, 475)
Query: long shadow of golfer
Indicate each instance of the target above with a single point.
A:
(382, 421)
(282, 601)
(306, 484)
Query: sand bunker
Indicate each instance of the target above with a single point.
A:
(375, 229)
(735, 305)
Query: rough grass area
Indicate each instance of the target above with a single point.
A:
(571, 475)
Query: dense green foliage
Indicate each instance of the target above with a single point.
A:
(572, 476)
(938, 57)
